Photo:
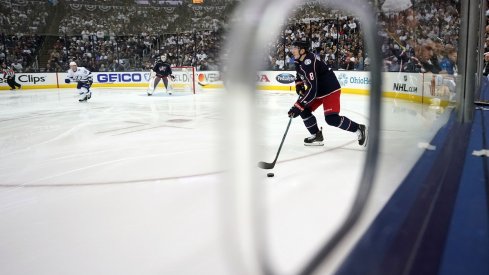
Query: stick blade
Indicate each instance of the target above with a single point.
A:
(265, 165)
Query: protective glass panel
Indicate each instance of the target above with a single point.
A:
(135, 172)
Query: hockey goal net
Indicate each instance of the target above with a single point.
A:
(184, 79)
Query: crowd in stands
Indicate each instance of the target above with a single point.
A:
(20, 22)
(128, 53)
(422, 38)
(129, 37)
(109, 35)
(485, 70)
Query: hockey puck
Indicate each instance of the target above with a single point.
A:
(270, 175)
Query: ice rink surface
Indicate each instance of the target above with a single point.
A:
(129, 184)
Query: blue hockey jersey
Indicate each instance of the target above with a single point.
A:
(317, 76)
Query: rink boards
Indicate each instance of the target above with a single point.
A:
(418, 87)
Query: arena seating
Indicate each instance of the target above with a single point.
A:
(106, 35)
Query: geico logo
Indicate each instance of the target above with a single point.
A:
(124, 77)
(33, 79)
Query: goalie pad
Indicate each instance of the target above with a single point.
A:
(151, 85)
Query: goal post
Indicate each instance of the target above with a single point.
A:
(185, 79)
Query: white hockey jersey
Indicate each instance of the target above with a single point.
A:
(81, 75)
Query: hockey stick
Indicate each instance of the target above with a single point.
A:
(481, 102)
(266, 165)
(205, 84)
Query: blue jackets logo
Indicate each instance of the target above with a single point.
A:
(147, 76)
(343, 79)
(285, 78)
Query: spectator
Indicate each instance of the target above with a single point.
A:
(359, 62)
(115, 66)
(485, 71)
(428, 60)
(350, 63)
(17, 66)
(449, 62)
(279, 63)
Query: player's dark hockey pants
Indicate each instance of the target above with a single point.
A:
(157, 80)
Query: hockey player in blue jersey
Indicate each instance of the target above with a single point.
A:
(316, 84)
(83, 77)
(161, 70)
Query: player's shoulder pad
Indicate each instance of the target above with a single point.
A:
(309, 58)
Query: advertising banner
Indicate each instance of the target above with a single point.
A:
(112, 79)
(403, 85)
(32, 81)
(410, 86)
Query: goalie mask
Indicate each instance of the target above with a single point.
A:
(163, 57)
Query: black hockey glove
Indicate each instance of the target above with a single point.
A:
(67, 80)
(299, 87)
(295, 110)
(172, 77)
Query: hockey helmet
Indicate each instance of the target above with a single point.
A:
(163, 57)
(73, 63)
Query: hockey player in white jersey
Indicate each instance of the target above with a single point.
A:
(84, 79)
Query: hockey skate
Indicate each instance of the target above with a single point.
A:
(362, 135)
(83, 97)
(315, 140)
